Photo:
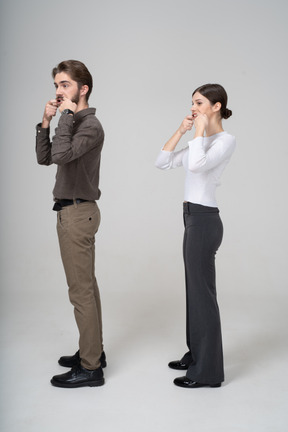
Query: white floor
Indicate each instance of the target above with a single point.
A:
(139, 394)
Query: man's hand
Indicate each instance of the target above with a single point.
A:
(49, 112)
(67, 104)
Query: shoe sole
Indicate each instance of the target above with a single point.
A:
(178, 368)
(97, 383)
(198, 385)
(70, 365)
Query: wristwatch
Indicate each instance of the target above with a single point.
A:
(67, 111)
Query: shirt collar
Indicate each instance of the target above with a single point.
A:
(83, 113)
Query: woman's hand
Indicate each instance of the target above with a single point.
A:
(186, 124)
(201, 123)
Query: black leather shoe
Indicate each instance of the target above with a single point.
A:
(79, 377)
(70, 361)
(178, 364)
(188, 383)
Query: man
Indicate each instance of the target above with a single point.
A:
(76, 150)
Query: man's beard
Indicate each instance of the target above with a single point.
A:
(76, 97)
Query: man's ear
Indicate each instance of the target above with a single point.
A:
(84, 90)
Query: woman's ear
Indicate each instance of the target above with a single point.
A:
(217, 106)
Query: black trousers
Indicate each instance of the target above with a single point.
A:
(202, 238)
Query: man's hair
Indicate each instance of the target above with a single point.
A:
(77, 71)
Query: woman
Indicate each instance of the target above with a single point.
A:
(204, 160)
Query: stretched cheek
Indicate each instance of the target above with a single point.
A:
(208, 111)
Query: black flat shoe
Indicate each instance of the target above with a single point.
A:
(79, 377)
(188, 383)
(178, 364)
(70, 361)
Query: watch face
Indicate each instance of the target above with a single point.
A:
(67, 111)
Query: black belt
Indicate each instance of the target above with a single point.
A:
(59, 204)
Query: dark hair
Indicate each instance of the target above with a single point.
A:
(77, 71)
(215, 93)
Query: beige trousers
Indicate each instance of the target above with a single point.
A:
(76, 227)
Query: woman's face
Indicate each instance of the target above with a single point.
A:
(202, 105)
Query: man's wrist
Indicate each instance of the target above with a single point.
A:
(45, 123)
(68, 111)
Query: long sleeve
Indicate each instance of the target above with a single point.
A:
(76, 149)
(202, 159)
(167, 160)
(43, 145)
(70, 144)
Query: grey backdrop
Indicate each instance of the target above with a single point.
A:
(146, 59)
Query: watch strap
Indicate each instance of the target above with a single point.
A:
(67, 111)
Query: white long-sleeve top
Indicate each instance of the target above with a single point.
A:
(204, 160)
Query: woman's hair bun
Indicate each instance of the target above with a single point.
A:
(227, 114)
